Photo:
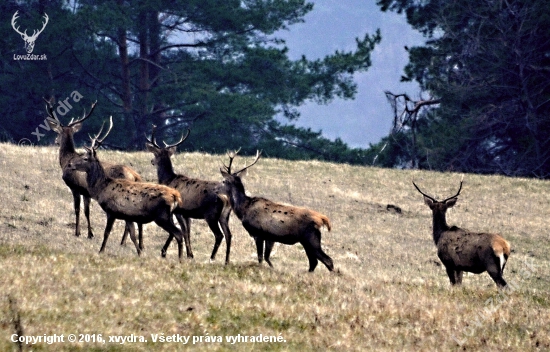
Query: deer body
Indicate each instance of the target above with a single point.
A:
(131, 201)
(270, 222)
(461, 250)
(200, 199)
(76, 180)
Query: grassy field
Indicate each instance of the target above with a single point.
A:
(388, 292)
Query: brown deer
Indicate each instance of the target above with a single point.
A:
(270, 222)
(76, 180)
(200, 199)
(131, 201)
(461, 250)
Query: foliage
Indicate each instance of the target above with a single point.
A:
(488, 62)
(216, 67)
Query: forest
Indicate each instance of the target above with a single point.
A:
(219, 69)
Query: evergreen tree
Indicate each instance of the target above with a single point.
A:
(488, 64)
(214, 66)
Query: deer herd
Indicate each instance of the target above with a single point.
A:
(122, 194)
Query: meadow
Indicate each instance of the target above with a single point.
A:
(388, 291)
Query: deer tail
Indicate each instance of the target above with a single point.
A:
(321, 220)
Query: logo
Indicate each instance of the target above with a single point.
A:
(29, 40)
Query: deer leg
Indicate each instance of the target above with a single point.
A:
(311, 256)
(132, 231)
(108, 227)
(458, 277)
(260, 249)
(87, 200)
(451, 273)
(267, 252)
(165, 247)
(185, 224)
(76, 201)
(168, 225)
(140, 236)
(315, 242)
(126, 231)
(218, 235)
(496, 274)
(224, 223)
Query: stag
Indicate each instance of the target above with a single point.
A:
(461, 250)
(76, 180)
(29, 40)
(270, 222)
(200, 199)
(128, 200)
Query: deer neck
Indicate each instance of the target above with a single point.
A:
(66, 150)
(439, 226)
(96, 178)
(165, 171)
(238, 200)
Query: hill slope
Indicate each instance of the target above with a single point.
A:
(389, 291)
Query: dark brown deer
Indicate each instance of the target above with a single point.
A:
(270, 222)
(131, 201)
(461, 250)
(76, 180)
(200, 199)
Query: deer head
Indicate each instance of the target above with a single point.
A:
(165, 152)
(71, 128)
(232, 179)
(29, 40)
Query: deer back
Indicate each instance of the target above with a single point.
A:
(282, 219)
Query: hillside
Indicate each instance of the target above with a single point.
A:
(389, 291)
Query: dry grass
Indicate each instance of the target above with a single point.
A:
(389, 291)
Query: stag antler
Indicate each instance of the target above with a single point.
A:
(96, 141)
(231, 156)
(84, 116)
(258, 153)
(183, 138)
(49, 110)
(446, 199)
(152, 140)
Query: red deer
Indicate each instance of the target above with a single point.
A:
(76, 180)
(138, 202)
(200, 199)
(461, 250)
(270, 222)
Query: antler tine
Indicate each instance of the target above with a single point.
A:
(231, 156)
(258, 154)
(183, 138)
(49, 110)
(84, 116)
(424, 194)
(459, 189)
(152, 140)
(94, 138)
(97, 140)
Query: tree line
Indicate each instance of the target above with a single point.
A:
(216, 67)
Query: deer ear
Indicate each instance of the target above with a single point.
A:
(171, 151)
(225, 174)
(451, 202)
(428, 202)
(151, 148)
(77, 127)
(54, 125)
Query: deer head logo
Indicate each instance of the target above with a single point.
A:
(29, 40)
